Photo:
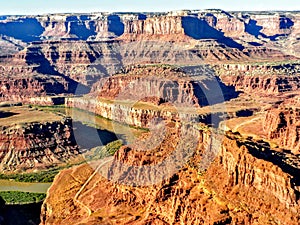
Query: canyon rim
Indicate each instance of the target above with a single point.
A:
(180, 117)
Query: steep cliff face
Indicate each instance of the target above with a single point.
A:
(155, 25)
(23, 88)
(250, 166)
(263, 78)
(186, 86)
(129, 114)
(282, 124)
(273, 25)
(39, 77)
(85, 48)
(220, 196)
(169, 84)
(61, 26)
(263, 84)
(36, 145)
(142, 93)
(9, 45)
(167, 28)
(250, 28)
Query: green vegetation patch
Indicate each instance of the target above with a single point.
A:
(46, 176)
(18, 197)
(104, 151)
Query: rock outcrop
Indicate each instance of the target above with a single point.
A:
(263, 78)
(22, 88)
(178, 86)
(36, 145)
(9, 45)
(96, 26)
(81, 49)
(282, 124)
(219, 195)
(129, 114)
(126, 62)
(255, 166)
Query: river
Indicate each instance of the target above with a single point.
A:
(10, 185)
(90, 131)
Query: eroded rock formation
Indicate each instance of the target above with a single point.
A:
(239, 26)
(222, 195)
(23, 88)
(36, 145)
(241, 180)
(282, 124)
(263, 78)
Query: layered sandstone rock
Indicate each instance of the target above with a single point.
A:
(77, 46)
(264, 78)
(36, 145)
(9, 45)
(167, 83)
(177, 94)
(282, 124)
(180, 86)
(18, 88)
(222, 195)
(248, 183)
(245, 27)
(263, 84)
(273, 25)
(252, 165)
(129, 114)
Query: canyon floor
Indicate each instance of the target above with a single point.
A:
(186, 117)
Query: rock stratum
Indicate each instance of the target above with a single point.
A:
(238, 188)
(38, 143)
(75, 50)
(217, 94)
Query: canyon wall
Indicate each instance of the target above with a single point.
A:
(128, 114)
(238, 187)
(23, 88)
(77, 50)
(172, 85)
(251, 166)
(36, 145)
(264, 78)
(282, 124)
(101, 26)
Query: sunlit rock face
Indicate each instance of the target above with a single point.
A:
(36, 145)
(214, 24)
(238, 174)
(179, 67)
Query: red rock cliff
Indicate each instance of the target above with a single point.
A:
(282, 125)
(36, 145)
(221, 196)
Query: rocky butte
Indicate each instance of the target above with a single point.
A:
(215, 93)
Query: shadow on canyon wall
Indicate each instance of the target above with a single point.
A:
(80, 29)
(200, 29)
(214, 91)
(36, 56)
(27, 30)
(30, 29)
(277, 158)
(89, 137)
(256, 30)
(115, 25)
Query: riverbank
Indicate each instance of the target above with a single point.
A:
(21, 198)
(33, 187)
